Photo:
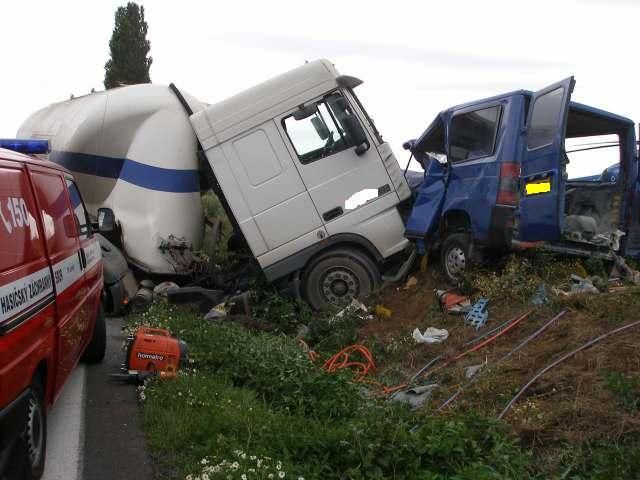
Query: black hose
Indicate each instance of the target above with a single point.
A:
(562, 359)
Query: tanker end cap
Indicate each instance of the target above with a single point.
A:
(28, 146)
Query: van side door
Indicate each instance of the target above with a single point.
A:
(63, 249)
(90, 253)
(542, 165)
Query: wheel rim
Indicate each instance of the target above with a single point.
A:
(339, 284)
(35, 433)
(455, 262)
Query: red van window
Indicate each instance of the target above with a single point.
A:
(20, 241)
(58, 221)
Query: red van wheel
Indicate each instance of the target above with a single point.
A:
(36, 433)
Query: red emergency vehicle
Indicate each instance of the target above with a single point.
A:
(50, 299)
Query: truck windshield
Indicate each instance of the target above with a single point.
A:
(369, 119)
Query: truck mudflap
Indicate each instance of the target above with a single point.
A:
(427, 208)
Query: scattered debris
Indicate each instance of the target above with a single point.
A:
(382, 311)
(624, 270)
(216, 313)
(541, 297)
(471, 370)
(415, 397)
(579, 285)
(161, 289)
(478, 315)
(430, 335)
(411, 282)
(452, 302)
(355, 305)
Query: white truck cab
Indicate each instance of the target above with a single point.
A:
(310, 182)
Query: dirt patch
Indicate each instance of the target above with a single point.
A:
(571, 403)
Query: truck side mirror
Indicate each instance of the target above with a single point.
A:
(321, 128)
(409, 144)
(357, 134)
(106, 220)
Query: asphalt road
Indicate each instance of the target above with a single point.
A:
(94, 429)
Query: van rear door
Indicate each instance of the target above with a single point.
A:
(542, 164)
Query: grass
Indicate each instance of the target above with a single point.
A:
(258, 393)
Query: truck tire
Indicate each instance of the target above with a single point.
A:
(337, 276)
(97, 347)
(35, 432)
(455, 256)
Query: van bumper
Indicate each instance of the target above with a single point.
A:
(12, 427)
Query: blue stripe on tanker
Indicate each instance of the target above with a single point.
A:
(136, 173)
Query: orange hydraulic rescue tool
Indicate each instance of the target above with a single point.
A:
(152, 351)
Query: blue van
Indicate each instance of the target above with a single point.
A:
(495, 177)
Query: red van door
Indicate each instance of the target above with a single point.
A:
(27, 312)
(63, 247)
(90, 253)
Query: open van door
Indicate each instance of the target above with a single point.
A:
(542, 166)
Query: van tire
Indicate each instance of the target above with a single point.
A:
(338, 275)
(97, 347)
(455, 256)
(35, 441)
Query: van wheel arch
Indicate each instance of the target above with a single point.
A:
(456, 221)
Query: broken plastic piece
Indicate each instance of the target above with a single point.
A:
(415, 396)
(452, 302)
(471, 370)
(541, 297)
(382, 311)
(217, 312)
(430, 335)
(478, 315)
(411, 282)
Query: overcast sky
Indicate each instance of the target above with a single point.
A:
(416, 58)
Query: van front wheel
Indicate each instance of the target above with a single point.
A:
(337, 276)
(455, 256)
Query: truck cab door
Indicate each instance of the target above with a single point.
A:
(345, 176)
(542, 164)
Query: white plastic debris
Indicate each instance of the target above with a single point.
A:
(161, 289)
(471, 370)
(430, 335)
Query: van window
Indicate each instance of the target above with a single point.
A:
(545, 119)
(20, 240)
(318, 130)
(473, 134)
(78, 209)
(60, 228)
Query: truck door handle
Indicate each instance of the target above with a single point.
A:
(333, 213)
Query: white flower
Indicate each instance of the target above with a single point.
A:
(204, 461)
(281, 474)
(300, 478)
(270, 475)
(235, 465)
(243, 477)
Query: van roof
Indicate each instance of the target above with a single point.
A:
(10, 155)
(575, 106)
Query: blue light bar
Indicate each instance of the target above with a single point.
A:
(25, 146)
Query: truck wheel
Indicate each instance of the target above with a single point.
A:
(337, 276)
(36, 432)
(98, 345)
(455, 256)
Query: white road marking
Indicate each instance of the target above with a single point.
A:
(65, 436)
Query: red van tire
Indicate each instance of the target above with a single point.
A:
(97, 347)
(455, 256)
(36, 432)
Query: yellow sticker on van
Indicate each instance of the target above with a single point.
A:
(539, 187)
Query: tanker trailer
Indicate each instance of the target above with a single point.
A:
(133, 150)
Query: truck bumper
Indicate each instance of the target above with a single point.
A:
(12, 422)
